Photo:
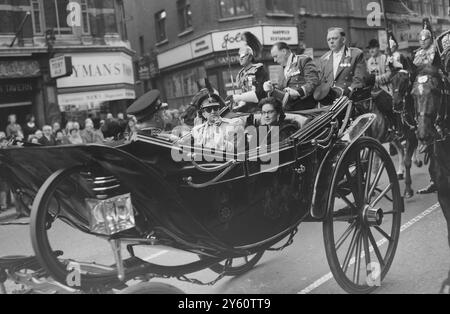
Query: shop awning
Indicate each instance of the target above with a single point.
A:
(84, 98)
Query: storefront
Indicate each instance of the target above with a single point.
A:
(101, 83)
(215, 56)
(19, 92)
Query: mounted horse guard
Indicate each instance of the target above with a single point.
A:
(223, 208)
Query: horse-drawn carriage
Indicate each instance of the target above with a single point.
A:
(221, 207)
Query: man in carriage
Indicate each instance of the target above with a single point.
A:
(300, 79)
(342, 70)
(251, 77)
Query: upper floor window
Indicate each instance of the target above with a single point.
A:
(56, 16)
(232, 8)
(184, 14)
(11, 17)
(279, 6)
(160, 25)
(427, 7)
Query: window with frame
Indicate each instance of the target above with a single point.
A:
(279, 6)
(415, 5)
(160, 26)
(184, 15)
(232, 8)
(11, 18)
(427, 8)
(102, 17)
(56, 13)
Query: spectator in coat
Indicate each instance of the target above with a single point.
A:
(48, 139)
(30, 127)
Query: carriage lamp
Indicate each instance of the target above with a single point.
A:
(111, 216)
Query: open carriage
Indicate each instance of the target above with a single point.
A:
(226, 208)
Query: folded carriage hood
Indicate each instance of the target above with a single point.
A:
(30, 167)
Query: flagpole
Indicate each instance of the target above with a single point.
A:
(386, 22)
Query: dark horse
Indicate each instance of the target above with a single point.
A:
(433, 129)
(381, 103)
(403, 106)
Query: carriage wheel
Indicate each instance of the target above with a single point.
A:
(362, 227)
(237, 266)
(152, 288)
(51, 230)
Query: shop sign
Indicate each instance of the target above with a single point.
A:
(90, 69)
(60, 67)
(202, 46)
(19, 69)
(232, 39)
(8, 89)
(174, 56)
(95, 97)
(274, 34)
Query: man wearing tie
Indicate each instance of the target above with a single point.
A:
(342, 70)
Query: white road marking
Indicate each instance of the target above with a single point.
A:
(155, 255)
(406, 226)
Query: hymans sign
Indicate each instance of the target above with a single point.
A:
(89, 69)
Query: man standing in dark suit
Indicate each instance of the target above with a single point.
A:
(300, 79)
(342, 70)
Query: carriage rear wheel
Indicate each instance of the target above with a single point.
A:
(54, 228)
(362, 227)
(237, 266)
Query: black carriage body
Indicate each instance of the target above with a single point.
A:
(188, 207)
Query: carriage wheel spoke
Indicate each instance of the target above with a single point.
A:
(350, 251)
(383, 194)
(376, 181)
(383, 233)
(369, 175)
(376, 249)
(345, 236)
(366, 248)
(387, 197)
(357, 267)
(359, 180)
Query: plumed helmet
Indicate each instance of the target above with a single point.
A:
(253, 42)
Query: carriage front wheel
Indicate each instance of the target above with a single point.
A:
(362, 227)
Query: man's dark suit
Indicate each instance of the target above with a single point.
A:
(46, 142)
(302, 76)
(351, 74)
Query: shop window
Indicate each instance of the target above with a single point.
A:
(184, 15)
(160, 26)
(279, 6)
(232, 8)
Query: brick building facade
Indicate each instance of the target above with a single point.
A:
(179, 42)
